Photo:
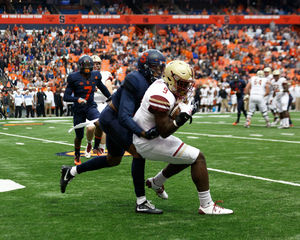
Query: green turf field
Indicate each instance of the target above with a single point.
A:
(255, 171)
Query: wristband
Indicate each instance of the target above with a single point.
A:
(174, 122)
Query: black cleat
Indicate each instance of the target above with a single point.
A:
(147, 207)
(66, 177)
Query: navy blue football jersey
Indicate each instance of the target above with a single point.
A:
(84, 88)
(128, 98)
(239, 85)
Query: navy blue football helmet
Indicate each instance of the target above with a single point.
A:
(85, 64)
(151, 64)
(236, 77)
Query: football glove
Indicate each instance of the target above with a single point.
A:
(246, 97)
(187, 110)
(81, 101)
(152, 133)
(195, 107)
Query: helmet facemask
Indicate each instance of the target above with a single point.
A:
(182, 88)
(156, 71)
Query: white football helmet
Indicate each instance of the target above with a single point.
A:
(260, 73)
(268, 70)
(179, 77)
(276, 73)
(96, 59)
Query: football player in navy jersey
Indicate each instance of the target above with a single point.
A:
(82, 84)
(116, 121)
(238, 85)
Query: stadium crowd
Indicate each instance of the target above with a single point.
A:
(43, 58)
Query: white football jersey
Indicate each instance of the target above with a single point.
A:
(269, 80)
(204, 92)
(211, 92)
(279, 85)
(98, 95)
(158, 97)
(258, 86)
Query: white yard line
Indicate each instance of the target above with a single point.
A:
(255, 177)
(230, 136)
(38, 139)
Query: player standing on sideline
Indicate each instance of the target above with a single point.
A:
(258, 88)
(203, 102)
(271, 104)
(116, 121)
(238, 86)
(100, 99)
(281, 94)
(83, 84)
(211, 94)
(155, 108)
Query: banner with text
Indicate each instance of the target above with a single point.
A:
(147, 19)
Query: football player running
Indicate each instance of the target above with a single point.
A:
(83, 84)
(157, 103)
(116, 120)
(281, 96)
(100, 99)
(258, 88)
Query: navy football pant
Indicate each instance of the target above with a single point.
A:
(240, 108)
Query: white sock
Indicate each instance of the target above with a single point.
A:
(140, 200)
(159, 179)
(102, 146)
(73, 171)
(89, 141)
(286, 122)
(205, 198)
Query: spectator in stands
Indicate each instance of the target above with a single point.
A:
(191, 33)
(111, 9)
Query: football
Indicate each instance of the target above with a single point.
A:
(175, 111)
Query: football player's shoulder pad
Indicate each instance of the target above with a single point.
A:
(131, 81)
(72, 77)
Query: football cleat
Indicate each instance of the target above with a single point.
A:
(77, 160)
(66, 177)
(246, 125)
(88, 151)
(147, 207)
(214, 209)
(235, 123)
(268, 124)
(160, 191)
(98, 151)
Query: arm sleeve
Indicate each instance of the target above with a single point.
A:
(68, 93)
(127, 108)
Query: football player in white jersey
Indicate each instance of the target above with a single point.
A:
(100, 99)
(258, 88)
(211, 94)
(271, 104)
(203, 102)
(157, 103)
(281, 96)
